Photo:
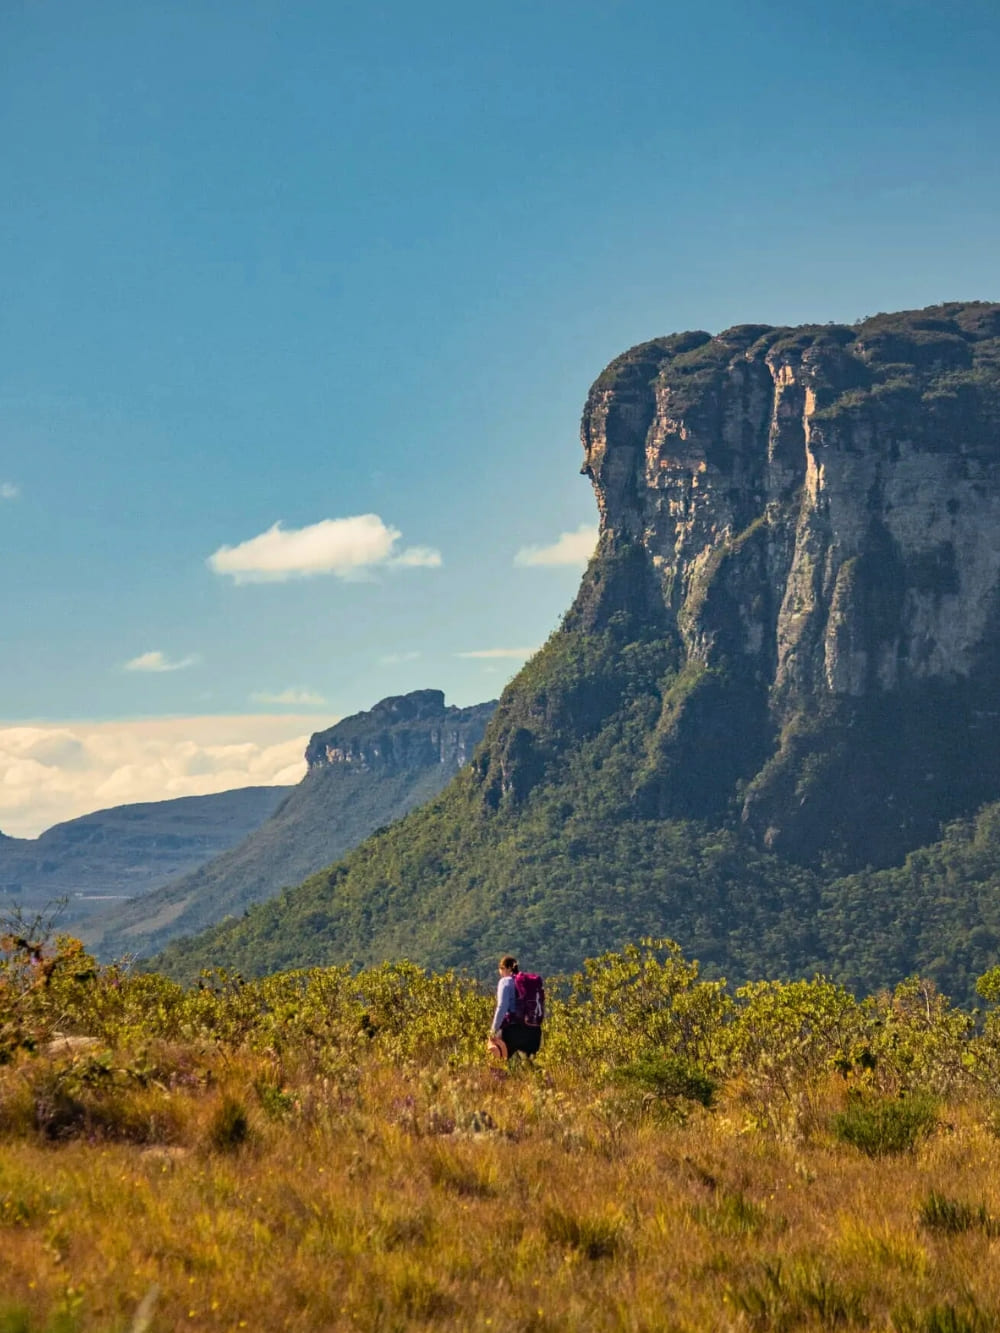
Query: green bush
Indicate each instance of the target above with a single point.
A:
(669, 1076)
(731, 1215)
(595, 1236)
(882, 1126)
(786, 1297)
(944, 1319)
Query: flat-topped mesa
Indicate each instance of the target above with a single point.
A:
(411, 730)
(819, 509)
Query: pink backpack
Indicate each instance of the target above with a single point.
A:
(530, 991)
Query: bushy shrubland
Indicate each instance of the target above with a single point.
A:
(641, 1017)
(331, 1148)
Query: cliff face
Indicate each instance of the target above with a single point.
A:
(413, 730)
(819, 509)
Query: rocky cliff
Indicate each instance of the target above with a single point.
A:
(809, 519)
(404, 731)
(780, 670)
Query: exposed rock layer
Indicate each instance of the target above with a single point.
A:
(819, 511)
(406, 730)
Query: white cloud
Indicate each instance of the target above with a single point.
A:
(572, 548)
(9, 491)
(156, 661)
(304, 698)
(345, 547)
(50, 772)
(417, 557)
(499, 652)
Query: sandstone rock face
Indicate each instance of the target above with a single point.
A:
(413, 730)
(819, 508)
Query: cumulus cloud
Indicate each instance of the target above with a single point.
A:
(52, 772)
(417, 557)
(157, 661)
(303, 698)
(9, 490)
(572, 548)
(499, 652)
(345, 547)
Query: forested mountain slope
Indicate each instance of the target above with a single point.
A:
(778, 678)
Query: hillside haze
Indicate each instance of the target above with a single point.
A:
(126, 851)
(779, 674)
(366, 771)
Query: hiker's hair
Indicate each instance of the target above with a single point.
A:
(510, 962)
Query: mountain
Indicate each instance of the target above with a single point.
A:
(778, 679)
(125, 852)
(366, 771)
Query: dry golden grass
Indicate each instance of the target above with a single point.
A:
(479, 1199)
(324, 1151)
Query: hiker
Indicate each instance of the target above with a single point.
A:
(517, 1022)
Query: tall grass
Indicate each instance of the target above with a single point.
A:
(260, 1157)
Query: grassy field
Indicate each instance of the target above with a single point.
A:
(328, 1151)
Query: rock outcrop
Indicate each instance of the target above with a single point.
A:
(817, 510)
(404, 731)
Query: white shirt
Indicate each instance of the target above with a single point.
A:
(506, 1001)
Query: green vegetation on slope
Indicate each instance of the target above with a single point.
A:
(544, 845)
(126, 851)
(651, 770)
(330, 811)
(388, 760)
(938, 913)
(541, 844)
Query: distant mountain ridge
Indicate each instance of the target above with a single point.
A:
(366, 771)
(126, 850)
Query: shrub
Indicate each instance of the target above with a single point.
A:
(944, 1319)
(92, 1097)
(669, 1076)
(786, 1298)
(731, 1215)
(277, 1102)
(14, 1319)
(473, 1180)
(882, 1126)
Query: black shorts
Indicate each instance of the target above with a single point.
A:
(521, 1037)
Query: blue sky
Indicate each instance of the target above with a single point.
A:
(297, 264)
